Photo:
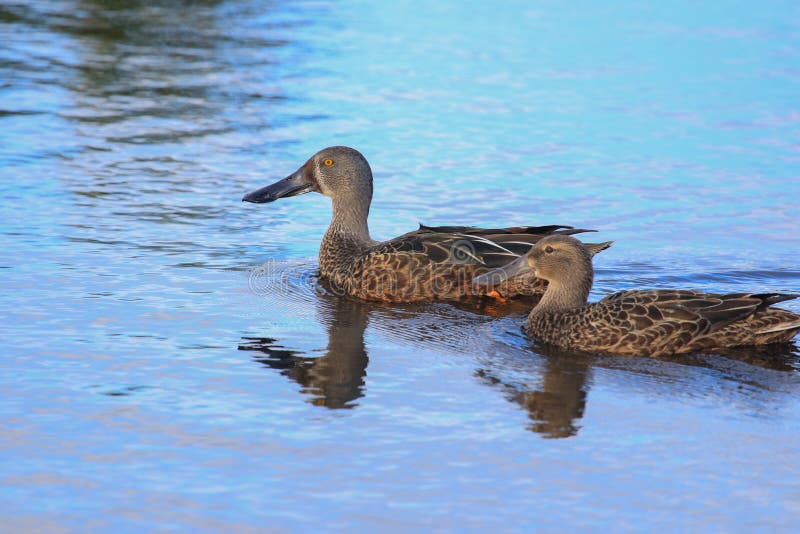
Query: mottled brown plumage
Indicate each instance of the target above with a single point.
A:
(429, 263)
(639, 322)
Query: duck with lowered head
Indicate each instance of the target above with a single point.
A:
(637, 322)
(426, 264)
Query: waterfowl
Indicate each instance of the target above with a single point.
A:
(426, 264)
(638, 322)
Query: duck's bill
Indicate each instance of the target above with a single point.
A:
(516, 268)
(291, 186)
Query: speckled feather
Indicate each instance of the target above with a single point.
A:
(663, 322)
(639, 322)
(433, 262)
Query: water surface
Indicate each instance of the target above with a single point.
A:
(169, 358)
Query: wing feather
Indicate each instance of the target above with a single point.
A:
(485, 247)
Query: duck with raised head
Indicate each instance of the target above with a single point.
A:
(638, 322)
(426, 264)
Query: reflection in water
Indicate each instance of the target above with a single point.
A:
(144, 77)
(336, 379)
(764, 367)
(559, 402)
(778, 356)
(557, 405)
(153, 94)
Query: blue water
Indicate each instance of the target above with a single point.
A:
(168, 360)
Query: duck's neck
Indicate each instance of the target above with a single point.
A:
(568, 293)
(347, 237)
(350, 221)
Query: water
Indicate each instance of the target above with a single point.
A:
(169, 360)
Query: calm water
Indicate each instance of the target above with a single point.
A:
(168, 359)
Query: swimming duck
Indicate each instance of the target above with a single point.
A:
(428, 263)
(638, 322)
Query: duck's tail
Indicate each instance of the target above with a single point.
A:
(778, 333)
(594, 248)
(783, 327)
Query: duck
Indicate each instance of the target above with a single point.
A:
(430, 263)
(652, 322)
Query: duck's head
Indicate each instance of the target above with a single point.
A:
(339, 172)
(558, 259)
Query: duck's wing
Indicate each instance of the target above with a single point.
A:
(765, 325)
(485, 247)
(448, 247)
(516, 239)
(691, 311)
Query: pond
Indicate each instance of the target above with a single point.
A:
(170, 360)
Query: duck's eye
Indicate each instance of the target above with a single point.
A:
(327, 162)
(548, 249)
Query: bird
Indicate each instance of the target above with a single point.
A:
(430, 263)
(653, 322)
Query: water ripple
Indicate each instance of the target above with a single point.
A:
(132, 272)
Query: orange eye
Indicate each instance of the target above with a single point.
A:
(327, 162)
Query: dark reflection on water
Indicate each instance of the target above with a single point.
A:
(558, 404)
(140, 100)
(555, 405)
(335, 379)
(776, 357)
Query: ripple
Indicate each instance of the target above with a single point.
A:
(293, 284)
(459, 326)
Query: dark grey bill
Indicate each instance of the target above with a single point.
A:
(295, 184)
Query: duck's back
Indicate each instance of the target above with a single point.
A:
(432, 263)
(661, 322)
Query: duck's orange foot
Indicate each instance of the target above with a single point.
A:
(495, 295)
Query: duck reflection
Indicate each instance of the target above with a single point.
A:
(335, 379)
(557, 405)
(550, 384)
(776, 357)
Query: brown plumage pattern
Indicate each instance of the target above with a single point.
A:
(664, 322)
(426, 264)
(433, 263)
(643, 322)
